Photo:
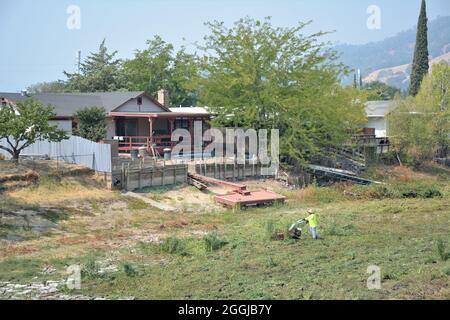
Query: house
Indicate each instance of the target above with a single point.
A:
(376, 114)
(135, 119)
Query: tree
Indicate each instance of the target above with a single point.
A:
(420, 61)
(419, 126)
(159, 67)
(181, 82)
(98, 72)
(149, 69)
(378, 90)
(258, 76)
(24, 124)
(433, 99)
(409, 131)
(48, 87)
(91, 123)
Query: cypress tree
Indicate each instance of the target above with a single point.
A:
(420, 61)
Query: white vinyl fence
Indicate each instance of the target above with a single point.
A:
(96, 156)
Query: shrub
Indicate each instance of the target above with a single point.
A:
(173, 245)
(129, 269)
(213, 242)
(395, 191)
(91, 123)
(416, 191)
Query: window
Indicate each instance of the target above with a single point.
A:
(181, 124)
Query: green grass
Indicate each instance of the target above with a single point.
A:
(354, 235)
(402, 227)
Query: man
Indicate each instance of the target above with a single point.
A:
(312, 221)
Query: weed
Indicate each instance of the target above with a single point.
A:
(90, 269)
(173, 245)
(270, 263)
(271, 230)
(129, 270)
(441, 247)
(447, 271)
(213, 242)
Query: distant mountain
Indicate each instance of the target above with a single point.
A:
(398, 76)
(396, 51)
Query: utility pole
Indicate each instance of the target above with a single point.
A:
(359, 79)
(78, 61)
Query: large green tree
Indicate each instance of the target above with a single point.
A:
(420, 61)
(433, 99)
(149, 69)
(100, 71)
(255, 75)
(159, 66)
(23, 124)
(419, 126)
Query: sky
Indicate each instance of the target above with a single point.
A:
(40, 38)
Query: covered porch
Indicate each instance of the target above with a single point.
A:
(137, 130)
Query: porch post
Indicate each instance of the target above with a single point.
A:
(171, 126)
(171, 129)
(191, 132)
(150, 120)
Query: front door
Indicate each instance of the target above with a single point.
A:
(126, 127)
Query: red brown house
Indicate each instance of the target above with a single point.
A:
(135, 119)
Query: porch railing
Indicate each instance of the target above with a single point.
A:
(160, 142)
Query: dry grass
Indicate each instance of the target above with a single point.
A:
(53, 190)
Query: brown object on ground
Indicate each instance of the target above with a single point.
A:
(280, 235)
(239, 196)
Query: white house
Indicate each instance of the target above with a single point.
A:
(376, 114)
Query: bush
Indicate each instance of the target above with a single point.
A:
(395, 191)
(213, 242)
(91, 123)
(415, 191)
(174, 245)
(129, 269)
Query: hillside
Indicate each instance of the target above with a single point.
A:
(395, 51)
(398, 76)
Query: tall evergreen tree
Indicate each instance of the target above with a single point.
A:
(100, 71)
(420, 61)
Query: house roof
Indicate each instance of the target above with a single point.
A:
(196, 110)
(377, 109)
(67, 104)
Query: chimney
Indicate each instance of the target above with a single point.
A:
(163, 97)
